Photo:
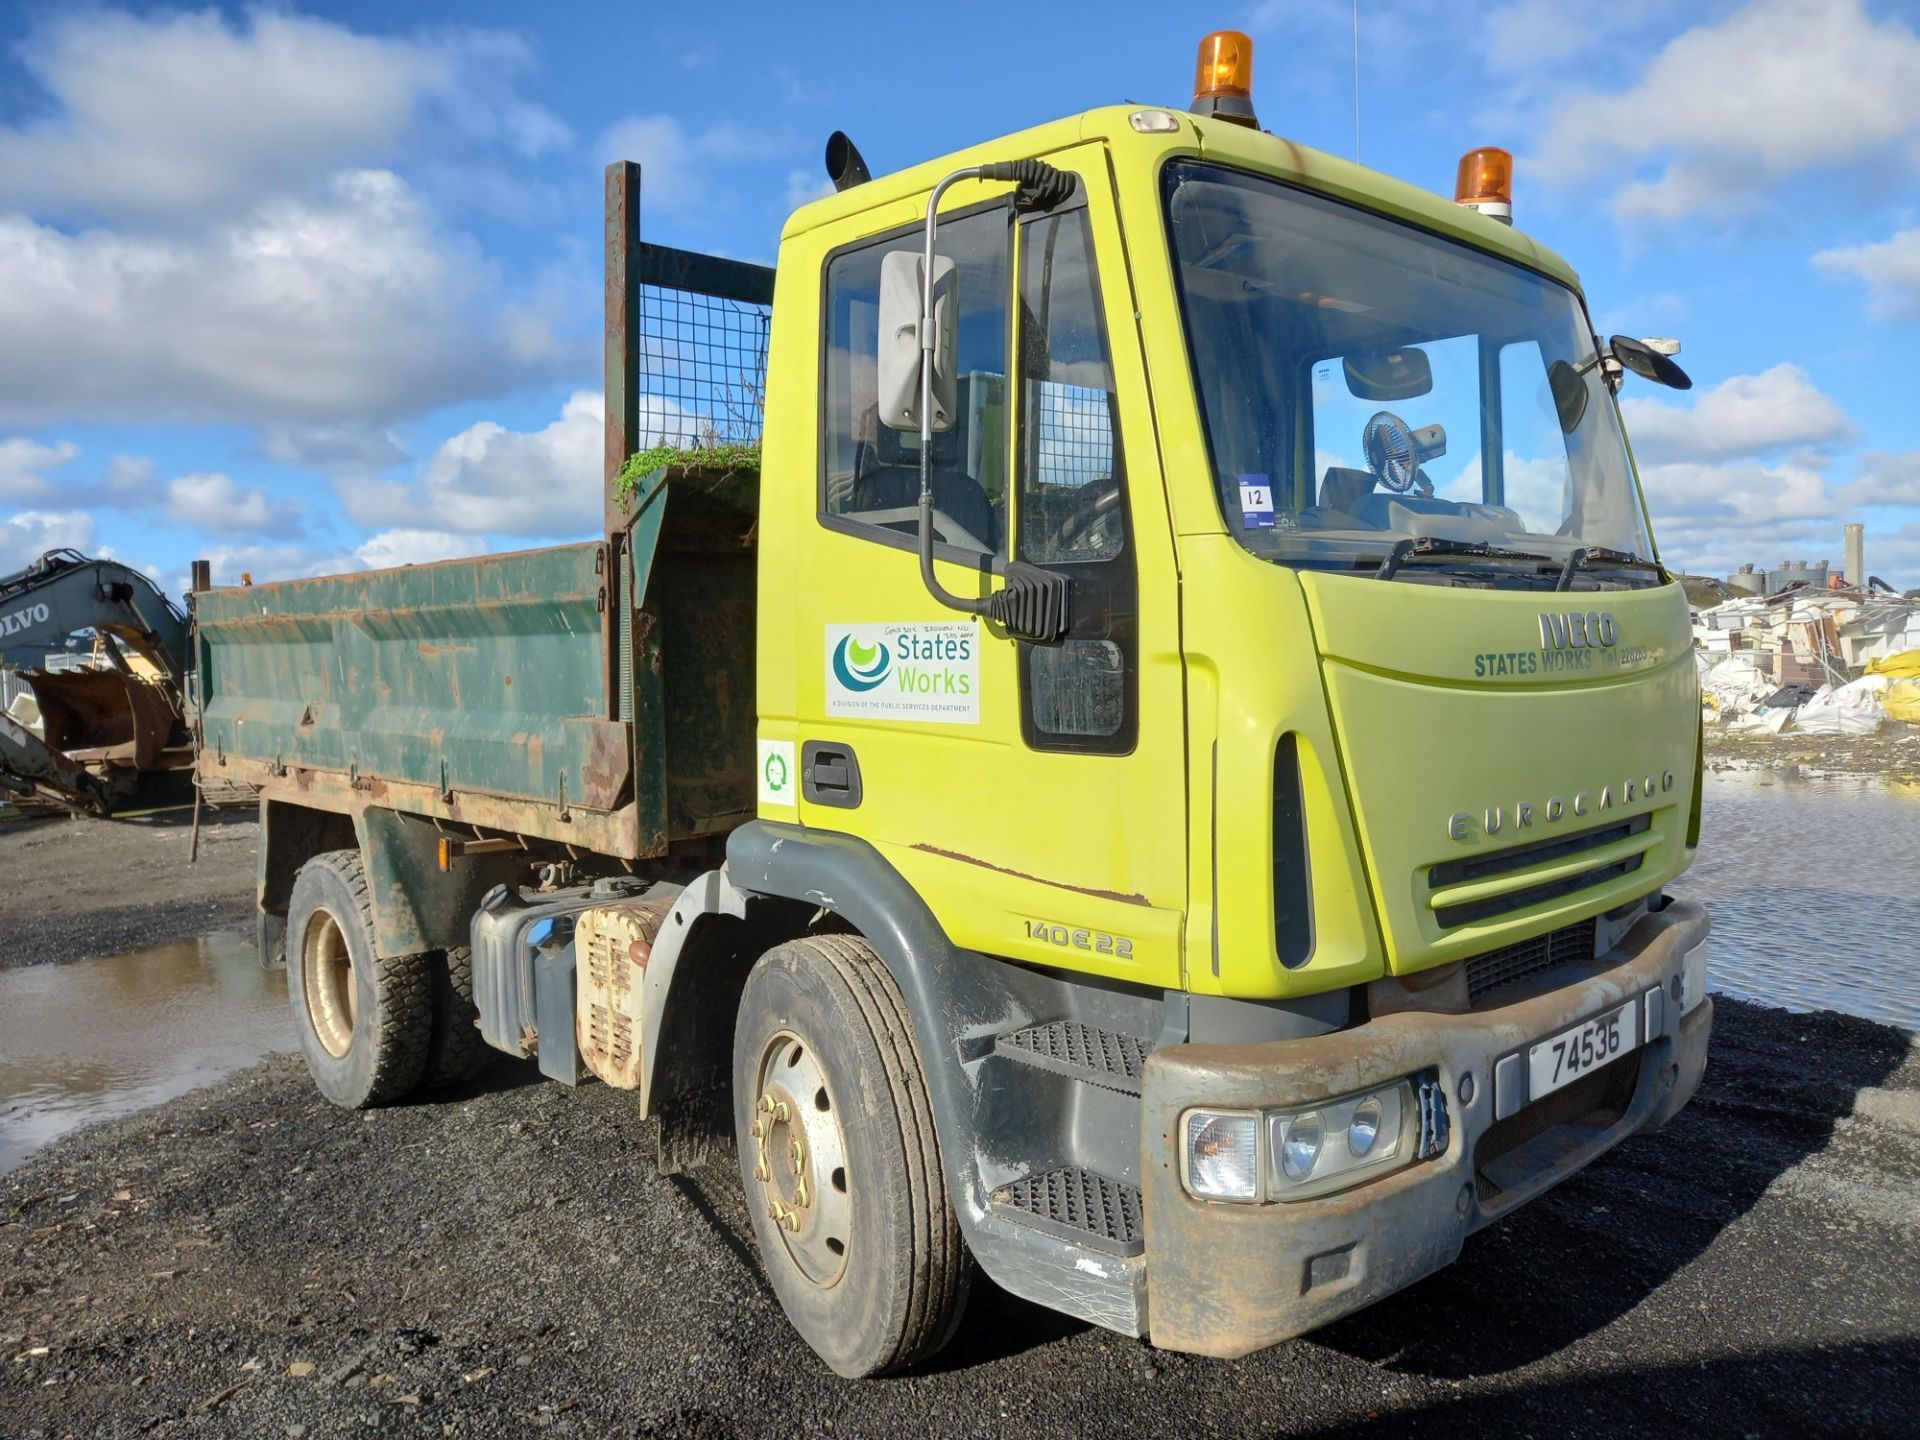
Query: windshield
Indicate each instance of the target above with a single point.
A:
(1365, 384)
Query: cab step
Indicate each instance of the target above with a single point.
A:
(1106, 1058)
(1077, 1205)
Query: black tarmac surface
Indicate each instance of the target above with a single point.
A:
(507, 1261)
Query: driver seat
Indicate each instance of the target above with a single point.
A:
(1345, 490)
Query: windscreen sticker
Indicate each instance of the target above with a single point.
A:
(1256, 503)
(905, 672)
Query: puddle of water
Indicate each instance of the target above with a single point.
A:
(1813, 883)
(98, 1038)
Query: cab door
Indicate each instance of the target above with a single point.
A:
(1034, 795)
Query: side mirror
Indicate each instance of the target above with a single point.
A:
(900, 354)
(1389, 375)
(1648, 363)
(1569, 386)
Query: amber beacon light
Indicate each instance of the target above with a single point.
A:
(1485, 183)
(1223, 80)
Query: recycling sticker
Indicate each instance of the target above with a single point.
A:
(777, 773)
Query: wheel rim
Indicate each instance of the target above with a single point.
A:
(332, 997)
(800, 1159)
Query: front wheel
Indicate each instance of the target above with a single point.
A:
(839, 1158)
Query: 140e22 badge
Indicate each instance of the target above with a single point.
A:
(1073, 937)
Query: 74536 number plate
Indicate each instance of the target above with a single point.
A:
(1561, 1059)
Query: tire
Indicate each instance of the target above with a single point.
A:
(824, 1053)
(457, 1051)
(364, 1023)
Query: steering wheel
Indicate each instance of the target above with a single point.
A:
(1096, 507)
(1392, 454)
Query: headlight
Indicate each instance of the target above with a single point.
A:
(1339, 1142)
(1364, 1128)
(1300, 1149)
(1307, 1152)
(1223, 1155)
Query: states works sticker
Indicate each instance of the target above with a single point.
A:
(779, 778)
(905, 672)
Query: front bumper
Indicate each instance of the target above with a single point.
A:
(1227, 1279)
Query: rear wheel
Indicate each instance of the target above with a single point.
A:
(364, 1023)
(457, 1051)
(840, 1161)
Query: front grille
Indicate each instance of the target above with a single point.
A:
(1450, 915)
(1511, 964)
(1594, 1102)
(1522, 857)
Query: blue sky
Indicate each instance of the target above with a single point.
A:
(304, 289)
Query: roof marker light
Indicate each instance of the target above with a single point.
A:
(1223, 78)
(1485, 183)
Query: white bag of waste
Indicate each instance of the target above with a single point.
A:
(1850, 709)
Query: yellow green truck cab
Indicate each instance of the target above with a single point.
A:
(1202, 940)
(1332, 831)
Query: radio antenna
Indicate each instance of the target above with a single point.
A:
(1356, 82)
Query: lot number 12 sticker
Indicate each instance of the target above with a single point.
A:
(1256, 503)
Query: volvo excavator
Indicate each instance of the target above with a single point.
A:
(91, 740)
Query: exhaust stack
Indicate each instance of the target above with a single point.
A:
(846, 167)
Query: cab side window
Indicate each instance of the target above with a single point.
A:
(870, 473)
(1079, 695)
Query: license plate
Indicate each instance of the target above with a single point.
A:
(1564, 1058)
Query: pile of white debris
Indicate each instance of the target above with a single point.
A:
(1810, 662)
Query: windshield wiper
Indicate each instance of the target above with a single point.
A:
(1422, 547)
(1600, 554)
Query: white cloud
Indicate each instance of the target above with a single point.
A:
(1728, 109)
(806, 186)
(341, 446)
(1524, 38)
(354, 307)
(676, 164)
(1891, 269)
(212, 501)
(174, 116)
(1745, 415)
(265, 563)
(128, 480)
(415, 547)
(31, 533)
(1885, 479)
(23, 467)
(493, 480)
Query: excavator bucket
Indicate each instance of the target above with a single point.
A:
(104, 718)
(86, 740)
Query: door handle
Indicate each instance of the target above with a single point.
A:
(830, 774)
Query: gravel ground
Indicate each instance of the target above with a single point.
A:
(249, 1261)
(75, 889)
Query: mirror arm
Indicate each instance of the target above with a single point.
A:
(1033, 604)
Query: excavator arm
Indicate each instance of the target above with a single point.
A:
(64, 592)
